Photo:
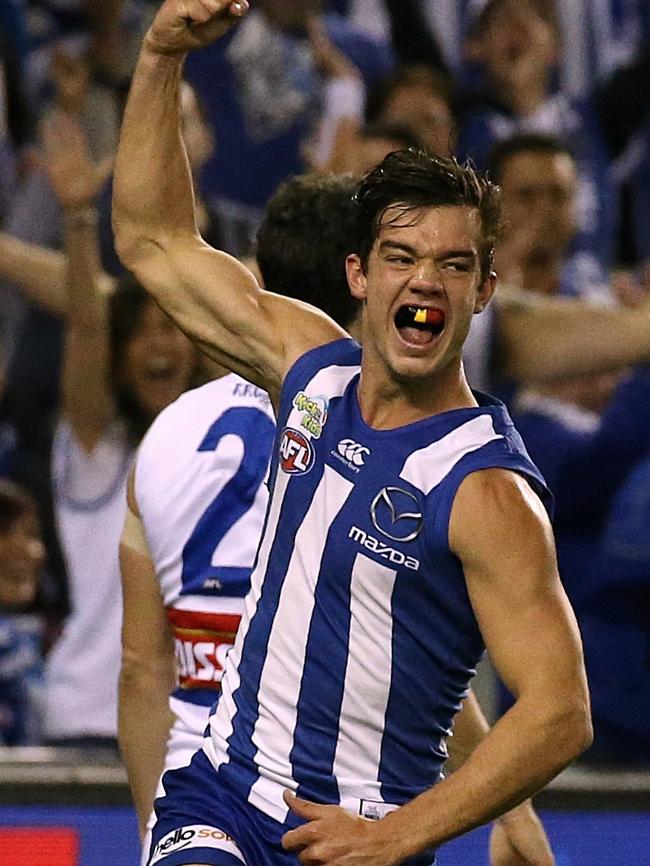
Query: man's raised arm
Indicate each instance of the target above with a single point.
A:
(210, 295)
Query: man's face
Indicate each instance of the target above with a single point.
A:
(158, 361)
(22, 555)
(514, 41)
(538, 194)
(421, 288)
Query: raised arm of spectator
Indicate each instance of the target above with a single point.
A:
(147, 674)
(344, 103)
(86, 390)
(210, 295)
(518, 837)
(38, 271)
(542, 339)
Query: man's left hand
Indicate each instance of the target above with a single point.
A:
(333, 836)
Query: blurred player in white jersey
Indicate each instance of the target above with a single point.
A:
(197, 501)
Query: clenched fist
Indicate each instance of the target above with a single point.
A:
(184, 25)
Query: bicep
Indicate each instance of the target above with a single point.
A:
(501, 533)
(218, 302)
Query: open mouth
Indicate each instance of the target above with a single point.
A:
(419, 325)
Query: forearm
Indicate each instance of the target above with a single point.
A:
(85, 281)
(38, 271)
(86, 390)
(144, 721)
(153, 197)
(521, 753)
(542, 339)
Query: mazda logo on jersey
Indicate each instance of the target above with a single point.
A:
(396, 514)
(296, 452)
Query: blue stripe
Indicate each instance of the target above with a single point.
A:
(436, 646)
(321, 694)
(241, 773)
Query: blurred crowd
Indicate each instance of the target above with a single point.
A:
(552, 97)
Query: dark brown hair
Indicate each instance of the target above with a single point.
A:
(412, 179)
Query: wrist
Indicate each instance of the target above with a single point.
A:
(522, 810)
(399, 840)
(154, 49)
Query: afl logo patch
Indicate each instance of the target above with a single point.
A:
(296, 452)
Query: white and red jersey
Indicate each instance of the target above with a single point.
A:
(199, 486)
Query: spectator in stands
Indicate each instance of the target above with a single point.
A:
(560, 421)
(265, 110)
(123, 362)
(538, 176)
(21, 631)
(367, 145)
(417, 98)
(517, 48)
(616, 627)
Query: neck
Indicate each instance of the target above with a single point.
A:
(387, 403)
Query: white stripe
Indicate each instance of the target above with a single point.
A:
(367, 681)
(329, 382)
(426, 468)
(221, 726)
(283, 668)
(210, 604)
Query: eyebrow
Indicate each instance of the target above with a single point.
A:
(395, 245)
(459, 254)
(447, 254)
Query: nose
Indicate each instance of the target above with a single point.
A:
(426, 279)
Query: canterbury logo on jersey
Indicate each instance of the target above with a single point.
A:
(201, 644)
(352, 451)
(370, 543)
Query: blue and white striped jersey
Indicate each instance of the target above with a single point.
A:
(358, 639)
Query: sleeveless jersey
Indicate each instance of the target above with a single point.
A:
(199, 485)
(358, 639)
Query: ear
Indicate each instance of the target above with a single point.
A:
(485, 292)
(356, 277)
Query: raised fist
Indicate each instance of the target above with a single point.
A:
(184, 25)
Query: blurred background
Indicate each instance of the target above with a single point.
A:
(552, 97)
